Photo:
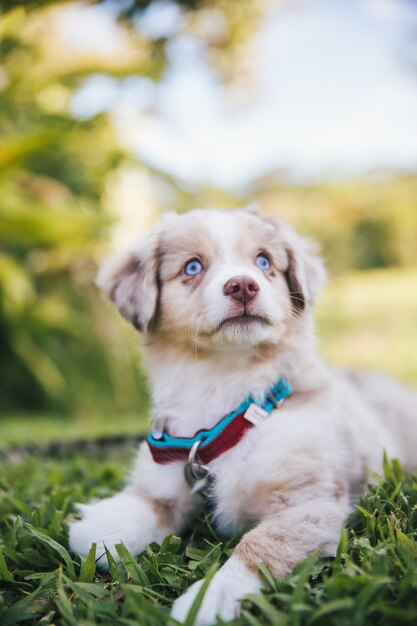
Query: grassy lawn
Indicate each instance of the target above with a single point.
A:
(372, 580)
(369, 319)
(41, 429)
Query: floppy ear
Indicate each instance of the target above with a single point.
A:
(130, 279)
(305, 273)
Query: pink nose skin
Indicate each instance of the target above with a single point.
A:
(241, 288)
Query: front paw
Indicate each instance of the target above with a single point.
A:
(229, 585)
(123, 518)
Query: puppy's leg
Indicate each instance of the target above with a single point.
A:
(126, 517)
(154, 505)
(280, 542)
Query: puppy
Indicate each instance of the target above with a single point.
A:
(225, 302)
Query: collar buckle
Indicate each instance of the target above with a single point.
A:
(273, 400)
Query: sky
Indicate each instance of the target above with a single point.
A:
(335, 95)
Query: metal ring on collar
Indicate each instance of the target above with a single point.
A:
(194, 471)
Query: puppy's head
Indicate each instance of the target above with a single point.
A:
(211, 279)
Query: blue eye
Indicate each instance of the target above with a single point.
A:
(262, 262)
(193, 267)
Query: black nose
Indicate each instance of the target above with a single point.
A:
(241, 288)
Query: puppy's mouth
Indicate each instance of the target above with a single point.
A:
(243, 320)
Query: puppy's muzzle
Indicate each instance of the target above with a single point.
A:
(241, 288)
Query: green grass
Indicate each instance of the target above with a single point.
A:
(42, 429)
(372, 580)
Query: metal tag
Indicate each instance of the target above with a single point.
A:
(255, 414)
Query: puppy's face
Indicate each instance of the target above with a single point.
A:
(215, 280)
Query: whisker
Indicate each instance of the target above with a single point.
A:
(298, 319)
(294, 296)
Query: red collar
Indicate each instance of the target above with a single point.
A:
(207, 445)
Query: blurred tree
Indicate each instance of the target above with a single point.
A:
(363, 224)
(373, 244)
(51, 173)
(57, 350)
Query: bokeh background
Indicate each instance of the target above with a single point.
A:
(113, 112)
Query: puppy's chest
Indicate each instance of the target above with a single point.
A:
(243, 481)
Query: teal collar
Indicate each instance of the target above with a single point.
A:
(208, 444)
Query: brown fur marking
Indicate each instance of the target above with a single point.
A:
(296, 293)
(273, 496)
(259, 546)
(163, 510)
(340, 490)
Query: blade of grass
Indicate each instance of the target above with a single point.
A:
(88, 566)
(63, 553)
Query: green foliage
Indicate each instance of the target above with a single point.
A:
(54, 347)
(128, 9)
(52, 174)
(372, 579)
(363, 224)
